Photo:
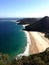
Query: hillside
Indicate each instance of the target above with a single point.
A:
(27, 20)
(36, 59)
(42, 25)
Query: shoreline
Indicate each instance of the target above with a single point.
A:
(35, 44)
(26, 52)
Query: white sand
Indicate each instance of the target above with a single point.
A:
(40, 42)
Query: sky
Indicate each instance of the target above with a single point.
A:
(24, 8)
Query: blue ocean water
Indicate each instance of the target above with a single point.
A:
(12, 38)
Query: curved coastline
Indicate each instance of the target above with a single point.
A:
(26, 52)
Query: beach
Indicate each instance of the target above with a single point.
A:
(38, 44)
(35, 43)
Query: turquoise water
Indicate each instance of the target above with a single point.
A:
(12, 38)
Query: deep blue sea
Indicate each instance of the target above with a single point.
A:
(12, 38)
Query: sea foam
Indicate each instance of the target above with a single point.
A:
(26, 52)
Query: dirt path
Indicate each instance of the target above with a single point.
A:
(38, 44)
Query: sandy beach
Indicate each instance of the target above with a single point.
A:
(38, 44)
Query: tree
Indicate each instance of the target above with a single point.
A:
(38, 61)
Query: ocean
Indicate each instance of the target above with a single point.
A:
(12, 38)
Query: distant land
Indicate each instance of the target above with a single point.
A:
(36, 24)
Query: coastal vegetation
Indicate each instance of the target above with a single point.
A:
(4, 59)
(47, 35)
(35, 59)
